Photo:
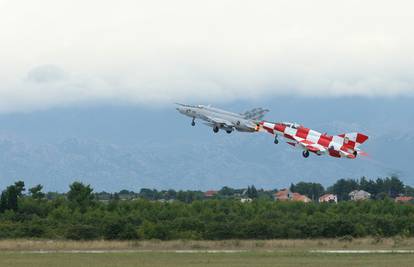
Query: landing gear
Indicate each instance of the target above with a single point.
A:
(305, 153)
(355, 153)
(276, 141)
(215, 129)
(229, 131)
(193, 122)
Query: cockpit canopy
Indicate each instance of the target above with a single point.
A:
(291, 125)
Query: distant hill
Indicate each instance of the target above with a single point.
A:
(114, 148)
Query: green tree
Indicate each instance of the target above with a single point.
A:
(9, 197)
(150, 194)
(36, 192)
(189, 196)
(389, 186)
(116, 227)
(394, 186)
(226, 191)
(82, 232)
(408, 190)
(80, 195)
(369, 186)
(252, 192)
(170, 194)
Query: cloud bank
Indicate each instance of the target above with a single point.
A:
(65, 52)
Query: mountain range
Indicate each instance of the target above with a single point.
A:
(114, 147)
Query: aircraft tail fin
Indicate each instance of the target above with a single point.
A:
(353, 140)
(255, 114)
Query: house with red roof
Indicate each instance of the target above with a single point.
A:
(404, 199)
(210, 193)
(287, 195)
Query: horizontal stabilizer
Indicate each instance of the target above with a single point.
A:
(255, 114)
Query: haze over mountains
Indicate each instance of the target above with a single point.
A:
(130, 147)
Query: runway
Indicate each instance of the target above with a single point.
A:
(319, 251)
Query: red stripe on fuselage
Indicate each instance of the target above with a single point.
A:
(280, 127)
(302, 132)
(268, 129)
(325, 140)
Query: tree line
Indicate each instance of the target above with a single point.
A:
(187, 196)
(378, 188)
(78, 214)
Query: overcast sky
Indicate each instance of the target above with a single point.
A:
(66, 52)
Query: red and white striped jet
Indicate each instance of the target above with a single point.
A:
(343, 145)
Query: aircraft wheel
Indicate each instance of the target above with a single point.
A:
(229, 131)
(193, 123)
(276, 141)
(305, 153)
(355, 153)
(215, 129)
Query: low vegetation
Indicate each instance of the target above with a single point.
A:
(369, 243)
(78, 215)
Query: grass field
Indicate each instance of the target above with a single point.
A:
(162, 259)
(205, 253)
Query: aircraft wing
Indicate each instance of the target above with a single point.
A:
(255, 114)
(309, 145)
(220, 121)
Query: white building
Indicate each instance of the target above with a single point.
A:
(359, 195)
(328, 198)
(246, 200)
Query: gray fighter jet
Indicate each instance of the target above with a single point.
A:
(222, 119)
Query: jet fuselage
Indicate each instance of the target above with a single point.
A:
(218, 118)
(343, 145)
